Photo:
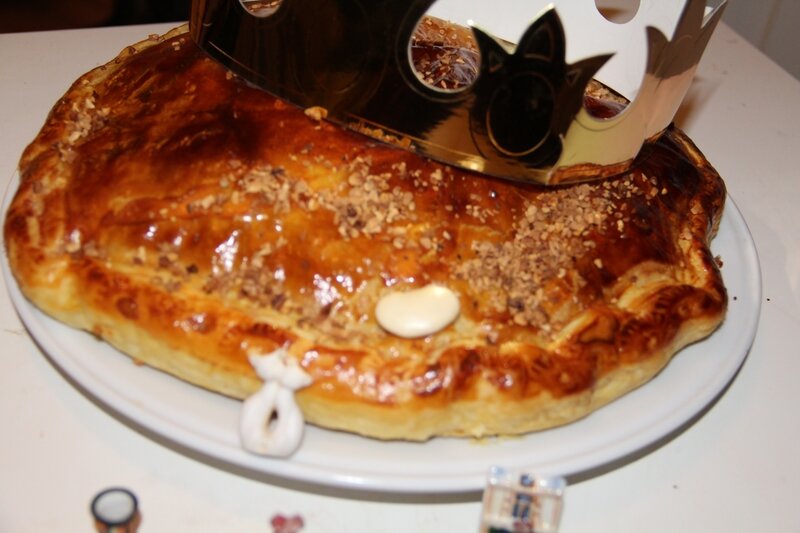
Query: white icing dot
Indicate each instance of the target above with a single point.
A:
(418, 312)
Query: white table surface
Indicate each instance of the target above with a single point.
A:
(737, 468)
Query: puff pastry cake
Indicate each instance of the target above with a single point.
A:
(188, 218)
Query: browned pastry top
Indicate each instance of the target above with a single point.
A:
(187, 217)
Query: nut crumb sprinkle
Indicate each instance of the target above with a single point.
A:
(316, 113)
(554, 231)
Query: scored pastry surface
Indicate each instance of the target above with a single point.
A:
(188, 218)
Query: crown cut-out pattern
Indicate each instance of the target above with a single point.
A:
(521, 119)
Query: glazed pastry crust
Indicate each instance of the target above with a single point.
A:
(187, 218)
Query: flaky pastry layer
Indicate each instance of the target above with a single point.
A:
(186, 218)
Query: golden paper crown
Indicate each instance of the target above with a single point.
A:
(522, 118)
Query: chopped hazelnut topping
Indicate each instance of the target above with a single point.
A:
(555, 230)
(368, 207)
(316, 113)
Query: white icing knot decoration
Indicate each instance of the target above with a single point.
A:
(271, 422)
(418, 312)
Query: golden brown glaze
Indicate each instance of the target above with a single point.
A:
(186, 217)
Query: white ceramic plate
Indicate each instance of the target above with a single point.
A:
(206, 422)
